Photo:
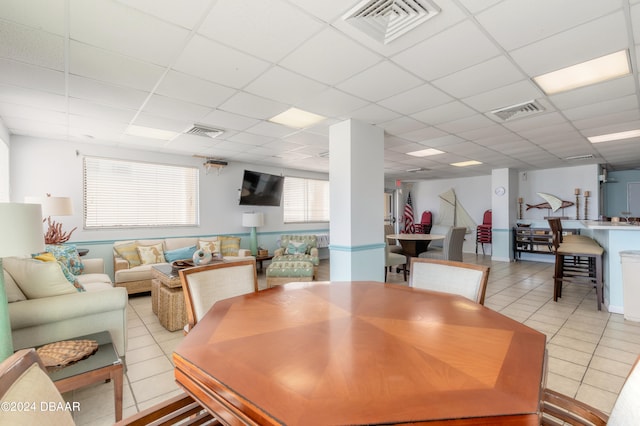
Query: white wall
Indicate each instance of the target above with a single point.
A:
(4, 163)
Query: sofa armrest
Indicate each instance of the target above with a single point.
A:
(93, 266)
(120, 264)
(314, 251)
(278, 252)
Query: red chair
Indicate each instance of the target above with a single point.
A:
(424, 227)
(483, 232)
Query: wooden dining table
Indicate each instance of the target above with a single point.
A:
(334, 353)
(414, 244)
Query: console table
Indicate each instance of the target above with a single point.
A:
(534, 240)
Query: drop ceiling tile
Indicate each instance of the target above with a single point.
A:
(285, 86)
(158, 122)
(82, 107)
(484, 132)
(251, 139)
(444, 113)
(330, 57)
(34, 98)
(139, 35)
(326, 10)
(252, 106)
(275, 130)
(175, 109)
(308, 138)
(381, 81)
(8, 110)
(228, 120)
(536, 123)
(374, 114)
(607, 119)
(519, 22)
(96, 127)
(504, 96)
(31, 127)
(32, 77)
(214, 62)
(476, 121)
(47, 15)
(416, 99)
(107, 94)
(185, 15)
(480, 78)
(401, 125)
(475, 6)
(268, 29)
(620, 104)
(99, 64)
(31, 46)
(595, 93)
(447, 52)
(332, 103)
(574, 46)
(193, 89)
(423, 134)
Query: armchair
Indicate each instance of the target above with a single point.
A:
(298, 248)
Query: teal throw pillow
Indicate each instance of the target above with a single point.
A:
(179, 254)
(297, 248)
(67, 254)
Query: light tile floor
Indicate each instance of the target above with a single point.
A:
(590, 352)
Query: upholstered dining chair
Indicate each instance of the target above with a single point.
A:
(394, 259)
(451, 247)
(446, 276)
(559, 409)
(205, 285)
(394, 246)
(23, 379)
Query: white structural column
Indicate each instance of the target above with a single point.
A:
(504, 187)
(356, 176)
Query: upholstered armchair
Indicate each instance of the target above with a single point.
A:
(298, 248)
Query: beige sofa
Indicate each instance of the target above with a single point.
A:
(38, 318)
(135, 276)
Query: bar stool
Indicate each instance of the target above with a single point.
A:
(578, 260)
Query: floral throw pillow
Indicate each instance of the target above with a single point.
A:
(67, 254)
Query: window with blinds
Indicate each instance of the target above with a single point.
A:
(305, 200)
(129, 194)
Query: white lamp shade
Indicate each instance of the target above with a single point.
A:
(21, 229)
(252, 219)
(52, 206)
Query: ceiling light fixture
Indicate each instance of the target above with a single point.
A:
(151, 133)
(417, 169)
(579, 157)
(615, 136)
(425, 152)
(466, 163)
(297, 118)
(590, 72)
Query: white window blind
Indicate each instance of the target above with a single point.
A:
(305, 200)
(121, 193)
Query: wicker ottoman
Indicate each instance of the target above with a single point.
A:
(172, 312)
(285, 272)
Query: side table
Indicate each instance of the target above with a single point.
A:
(103, 365)
(260, 259)
(167, 298)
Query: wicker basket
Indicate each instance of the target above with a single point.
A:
(61, 354)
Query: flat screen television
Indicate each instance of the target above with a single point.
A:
(261, 189)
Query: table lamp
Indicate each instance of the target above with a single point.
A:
(252, 220)
(21, 231)
(54, 206)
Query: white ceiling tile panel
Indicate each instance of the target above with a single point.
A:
(184, 14)
(85, 108)
(163, 123)
(260, 28)
(326, 10)
(423, 134)
(332, 103)
(330, 57)
(416, 99)
(596, 93)
(193, 89)
(477, 121)
(285, 86)
(251, 139)
(252, 106)
(381, 81)
(374, 114)
(562, 50)
(608, 119)
(138, 35)
(31, 46)
(34, 113)
(268, 128)
(516, 23)
(47, 15)
(442, 114)
(480, 78)
(228, 120)
(475, 6)
(308, 138)
(447, 52)
(35, 98)
(622, 103)
(214, 62)
(176, 109)
(105, 93)
(30, 76)
(511, 94)
(113, 68)
(401, 125)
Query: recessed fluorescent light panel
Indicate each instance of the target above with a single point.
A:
(591, 72)
(297, 118)
(615, 136)
(425, 152)
(149, 132)
(466, 163)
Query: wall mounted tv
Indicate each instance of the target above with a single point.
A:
(261, 189)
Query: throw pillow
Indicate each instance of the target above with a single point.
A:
(297, 248)
(129, 252)
(67, 254)
(11, 288)
(179, 254)
(151, 254)
(212, 246)
(45, 257)
(229, 246)
(70, 277)
(38, 279)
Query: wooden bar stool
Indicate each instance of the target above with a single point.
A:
(579, 261)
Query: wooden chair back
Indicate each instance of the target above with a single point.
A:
(466, 279)
(205, 285)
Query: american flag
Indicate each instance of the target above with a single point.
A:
(409, 228)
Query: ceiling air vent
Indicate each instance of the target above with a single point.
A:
(518, 111)
(579, 157)
(208, 132)
(386, 20)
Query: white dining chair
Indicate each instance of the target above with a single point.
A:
(466, 279)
